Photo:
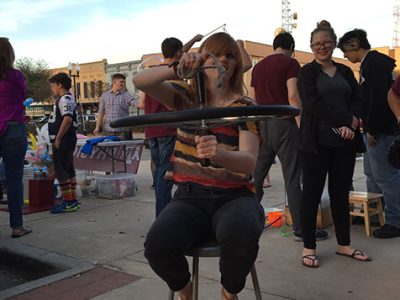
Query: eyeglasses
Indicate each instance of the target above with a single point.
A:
(325, 44)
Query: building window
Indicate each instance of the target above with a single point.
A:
(92, 89)
(85, 90)
(78, 89)
(99, 88)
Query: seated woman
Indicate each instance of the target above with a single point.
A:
(214, 200)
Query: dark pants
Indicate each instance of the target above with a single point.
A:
(63, 159)
(338, 163)
(13, 144)
(279, 140)
(161, 149)
(235, 219)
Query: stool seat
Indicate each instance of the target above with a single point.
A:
(360, 205)
(211, 248)
(207, 249)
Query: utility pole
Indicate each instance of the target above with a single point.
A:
(288, 17)
(396, 21)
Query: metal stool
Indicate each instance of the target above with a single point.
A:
(211, 249)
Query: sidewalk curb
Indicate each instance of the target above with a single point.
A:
(69, 266)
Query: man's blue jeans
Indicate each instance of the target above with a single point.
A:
(382, 177)
(161, 149)
(13, 144)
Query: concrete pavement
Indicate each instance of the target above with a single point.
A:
(110, 233)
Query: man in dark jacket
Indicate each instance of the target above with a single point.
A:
(376, 78)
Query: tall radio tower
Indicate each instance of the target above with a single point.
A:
(288, 17)
(396, 20)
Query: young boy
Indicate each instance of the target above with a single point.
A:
(62, 133)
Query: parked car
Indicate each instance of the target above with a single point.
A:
(87, 118)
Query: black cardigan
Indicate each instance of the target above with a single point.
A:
(376, 71)
(315, 108)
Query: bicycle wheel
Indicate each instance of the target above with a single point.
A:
(208, 117)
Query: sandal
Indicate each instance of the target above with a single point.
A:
(314, 261)
(356, 255)
(20, 231)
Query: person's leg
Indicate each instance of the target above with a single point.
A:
(372, 186)
(314, 174)
(63, 165)
(155, 159)
(163, 188)
(264, 161)
(13, 146)
(291, 169)
(238, 225)
(179, 227)
(340, 174)
(387, 178)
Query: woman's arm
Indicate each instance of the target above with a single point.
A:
(154, 81)
(246, 59)
(394, 103)
(242, 161)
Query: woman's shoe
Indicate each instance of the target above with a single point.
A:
(20, 231)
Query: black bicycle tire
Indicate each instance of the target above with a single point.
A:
(216, 114)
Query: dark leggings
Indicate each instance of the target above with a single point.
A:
(338, 163)
(235, 219)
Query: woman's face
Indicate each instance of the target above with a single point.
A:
(226, 61)
(322, 45)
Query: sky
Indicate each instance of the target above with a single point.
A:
(60, 31)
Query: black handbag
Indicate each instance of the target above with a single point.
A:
(394, 151)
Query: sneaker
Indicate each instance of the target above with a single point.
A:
(20, 231)
(66, 206)
(386, 232)
(320, 235)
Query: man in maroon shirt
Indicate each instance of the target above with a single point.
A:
(274, 81)
(162, 138)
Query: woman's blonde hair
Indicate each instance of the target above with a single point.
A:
(7, 56)
(222, 43)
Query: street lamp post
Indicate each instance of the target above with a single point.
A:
(76, 93)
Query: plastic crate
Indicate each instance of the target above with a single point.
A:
(116, 186)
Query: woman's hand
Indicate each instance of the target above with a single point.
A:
(346, 133)
(371, 140)
(206, 146)
(189, 63)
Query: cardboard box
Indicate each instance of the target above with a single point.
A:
(324, 216)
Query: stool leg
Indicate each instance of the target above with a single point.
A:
(195, 277)
(171, 295)
(256, 285)
(380, 212)
(366, 219)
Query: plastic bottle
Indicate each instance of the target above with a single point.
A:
(37, 174)
(45, 174)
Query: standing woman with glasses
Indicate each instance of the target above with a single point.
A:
(328, 142)
(13, 141)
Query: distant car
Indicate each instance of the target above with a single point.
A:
(39, 120)
(87, 118)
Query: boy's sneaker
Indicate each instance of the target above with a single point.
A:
(320, 235)
(66, 206)
(386, 232)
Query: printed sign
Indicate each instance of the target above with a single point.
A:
(104, 155)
